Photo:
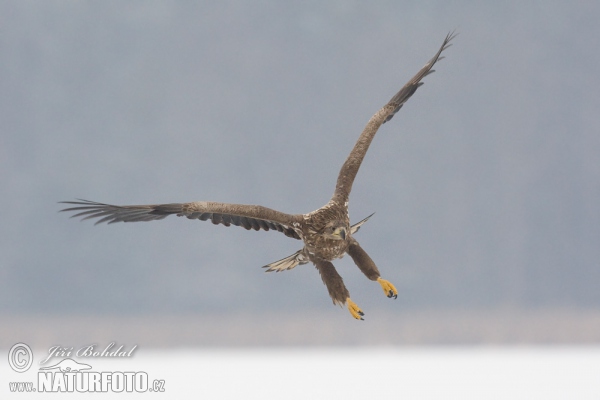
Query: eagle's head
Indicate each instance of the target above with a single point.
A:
(335, 230)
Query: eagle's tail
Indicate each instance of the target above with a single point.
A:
(298, 258)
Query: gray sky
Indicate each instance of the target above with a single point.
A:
(485, 185)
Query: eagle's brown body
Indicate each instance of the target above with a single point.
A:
(315, 244)
(326, 232)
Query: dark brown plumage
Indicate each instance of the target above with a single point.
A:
(326, 232)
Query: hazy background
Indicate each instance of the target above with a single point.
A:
(485, 185)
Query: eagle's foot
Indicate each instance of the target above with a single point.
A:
(389, 289)
(354, 310)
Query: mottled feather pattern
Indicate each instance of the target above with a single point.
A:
(301, 256)
(318, 246)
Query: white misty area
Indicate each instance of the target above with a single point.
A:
(511, 373)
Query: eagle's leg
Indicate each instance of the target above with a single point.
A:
(368, 267)
(388, 288)
(336, 288)
(355, 311)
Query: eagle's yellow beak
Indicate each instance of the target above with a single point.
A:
(340, 232)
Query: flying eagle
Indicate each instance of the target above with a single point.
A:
(326, 232)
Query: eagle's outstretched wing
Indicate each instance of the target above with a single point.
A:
(352, 164)
(300, 257)
(246, 216)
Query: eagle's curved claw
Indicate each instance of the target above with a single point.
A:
(354, 309)
(389, 289)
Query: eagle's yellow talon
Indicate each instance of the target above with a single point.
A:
(389, 289)
(354, 310)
